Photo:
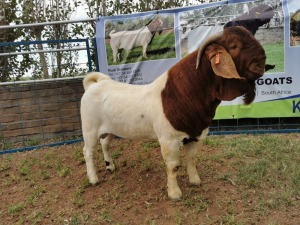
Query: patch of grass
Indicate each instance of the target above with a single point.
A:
(143, 160)
(36, 194)
(212, 142)
(74, 220)
(62, 168)
(149, 145)
(264, 163)
(44, 174)
(4, 144)
(229, 219)
(25, 166)
(116, 154)
(33, 142)
(78, 199)
(16, 208)
(197, 203)
(105, 215)
(78, 155)
(64, 171)
(275, 56)
(5, 164)
(178, 217)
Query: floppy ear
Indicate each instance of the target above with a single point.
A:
(269, 67)
(221, 62)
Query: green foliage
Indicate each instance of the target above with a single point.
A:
(9, 64)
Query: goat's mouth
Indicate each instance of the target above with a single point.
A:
(255, 70)
(250, 75)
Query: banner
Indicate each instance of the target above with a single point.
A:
(138, 48)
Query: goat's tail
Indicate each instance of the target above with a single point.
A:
(93, 77)
(112, 32)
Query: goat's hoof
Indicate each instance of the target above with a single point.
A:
(110, 166)
(94, 181)
(110, 169)
(175, 195)
(196, 181)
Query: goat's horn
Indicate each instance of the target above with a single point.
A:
(205, 43)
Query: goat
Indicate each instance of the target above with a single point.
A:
(177, 107)
(252, 20)
(295, 23)
(131, 39)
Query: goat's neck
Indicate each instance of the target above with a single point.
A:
(188, 97)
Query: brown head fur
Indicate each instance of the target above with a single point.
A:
(191, 96)
(155, 26)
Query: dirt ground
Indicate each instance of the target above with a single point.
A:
(49, 186)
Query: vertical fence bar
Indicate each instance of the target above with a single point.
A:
(96, 55)
(88, 51)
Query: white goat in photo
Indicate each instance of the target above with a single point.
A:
(128, 40)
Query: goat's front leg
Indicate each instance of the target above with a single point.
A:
(191, 151)
(145, 50)
(115, 54)
(105, 143)
(171, 155)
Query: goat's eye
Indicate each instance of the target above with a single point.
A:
(232, 47)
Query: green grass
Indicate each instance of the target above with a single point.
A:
(161, 47)
(275, 56)
(264, 163)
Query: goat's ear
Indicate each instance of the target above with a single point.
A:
(269, 67)
(221, 62)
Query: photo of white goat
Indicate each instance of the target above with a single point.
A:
(130, 39)
(177, 108)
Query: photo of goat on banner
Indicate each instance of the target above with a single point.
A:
(139, 39)
(264, 20)
(294, 11)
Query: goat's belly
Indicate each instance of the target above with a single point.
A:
(131, 43)
(137, 130)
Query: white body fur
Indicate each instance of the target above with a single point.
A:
(135, 112)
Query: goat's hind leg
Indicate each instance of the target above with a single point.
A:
(90, 145)
(105, 143)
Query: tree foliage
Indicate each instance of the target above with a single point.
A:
(8, 13)
(39, 11)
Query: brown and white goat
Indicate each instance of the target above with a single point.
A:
(177, 107)
(128, 40)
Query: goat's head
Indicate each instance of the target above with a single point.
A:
(238, 59)
(156, 25)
